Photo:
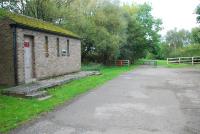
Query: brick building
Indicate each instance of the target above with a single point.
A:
(31, 49)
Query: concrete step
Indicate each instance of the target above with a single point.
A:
(37, 94)
(44, 98)
(36, 89)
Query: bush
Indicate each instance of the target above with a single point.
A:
(189, 51)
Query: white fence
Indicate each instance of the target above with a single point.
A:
(122, 62)
(185, 60)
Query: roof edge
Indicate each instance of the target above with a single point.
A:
(43, 30)
(23, 21)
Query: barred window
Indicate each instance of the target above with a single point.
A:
(46, 47)
(68, 51)
(58, 47)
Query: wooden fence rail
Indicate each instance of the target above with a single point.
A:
(186, 60)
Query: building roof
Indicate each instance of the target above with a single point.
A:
(34, 23)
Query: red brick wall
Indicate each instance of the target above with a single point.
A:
(6, 54)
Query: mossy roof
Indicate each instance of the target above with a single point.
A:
(35, 24)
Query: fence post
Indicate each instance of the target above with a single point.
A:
(192, 60)
(167, 61)
(179, 60)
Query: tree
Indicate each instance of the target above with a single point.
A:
(136, 46)
(196, 35)
(178, 39)
(165, 50)
(151, 26)
(110, 26)
(198, 13)
(47, 10)
(142, 32)
(180, 43)
(101, 26)
(17, 6)
(108, 30)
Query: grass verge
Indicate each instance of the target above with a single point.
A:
(163, 63)
(16, 111)
(3, 87)
(92, 66)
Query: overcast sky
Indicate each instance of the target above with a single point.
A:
(174, 13)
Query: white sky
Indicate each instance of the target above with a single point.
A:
(174, 13)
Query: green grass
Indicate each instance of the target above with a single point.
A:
(92, 66)
(3, 87)
(16, 111)
(163, 63)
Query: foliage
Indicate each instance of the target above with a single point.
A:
(151, 27)
(177, 39)
(101, 29)
(42, 9)
(142, 33)
(191, 50)
(187, 51)
(180, 43)
(47, 10)
(165, 51)
(136, 45)
(25, 109)
(198, 13)
(196, 35)
(13, 5)
(105, 26)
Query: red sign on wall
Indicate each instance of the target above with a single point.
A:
(26, 44)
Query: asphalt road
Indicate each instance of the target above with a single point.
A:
(145, 101)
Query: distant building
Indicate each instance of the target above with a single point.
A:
(31, 49)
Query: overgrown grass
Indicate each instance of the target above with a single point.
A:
(92, 66)
(163, 63)
(16, 111)
(3, 87)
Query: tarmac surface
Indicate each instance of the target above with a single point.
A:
(144, 101)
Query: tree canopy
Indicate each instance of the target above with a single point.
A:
(198, 13)
(109, 31)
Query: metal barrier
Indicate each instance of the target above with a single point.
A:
(122, 62)
(186, 60)
(150, 62)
